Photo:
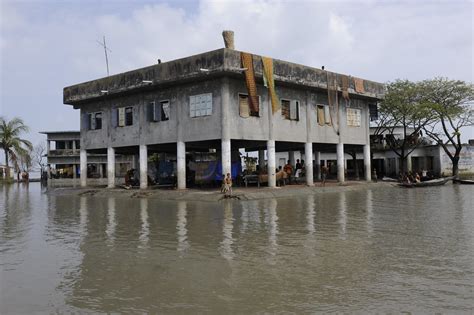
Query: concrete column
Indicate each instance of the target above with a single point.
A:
(271, 163)
(73, 146)
(409, 165)
(291, 157)
(181, 164)
(74, 171)
(83, 161)
(317, 158)
(48, 146)
(308, 160)
(225, 157)
(397, 165)
(225, 142)
(340, 162)
(101, 170)
(367, 165)
(143, 166)
(261, 157)
(110, 167)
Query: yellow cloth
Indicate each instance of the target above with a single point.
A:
(270, 83)
(359, 85)
(345, 86)
(247, 62)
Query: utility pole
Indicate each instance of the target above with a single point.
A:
(103, 44)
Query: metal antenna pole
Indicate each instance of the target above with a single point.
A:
(106, 57)
(103, 44)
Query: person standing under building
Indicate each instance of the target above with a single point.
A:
(227, 189)
(324, 173)
(288, 169)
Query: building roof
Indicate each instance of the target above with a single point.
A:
(216, 63)
(60, 132)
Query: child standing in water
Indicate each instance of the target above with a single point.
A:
(228, 186)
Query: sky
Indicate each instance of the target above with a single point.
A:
(47, 45)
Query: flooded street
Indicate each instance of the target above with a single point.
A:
(384, 249)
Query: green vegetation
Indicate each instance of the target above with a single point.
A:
(17, 150)
(440, 108)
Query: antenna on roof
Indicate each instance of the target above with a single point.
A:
(103, 44)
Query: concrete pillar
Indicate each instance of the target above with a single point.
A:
(83, 161)
(261, 157)
(110, 167)
(181, 164)
(225, 157)
(100, 169)
(271, 163)
(291, 157)
(143, 166)
(340, 162)
(308, 161)
(409, 165)
(317, 158)
(74, 171)
(48, 146)
(367, 165)
(73, 146)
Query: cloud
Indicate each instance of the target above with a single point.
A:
(45, 46)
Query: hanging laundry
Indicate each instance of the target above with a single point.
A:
(345, 86)
(247, 62)
(359, 85)
(269, 82)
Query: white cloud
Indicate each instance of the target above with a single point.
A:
(48, 45)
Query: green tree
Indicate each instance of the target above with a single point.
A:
(452, 103)
(15, 148)
(403, 108)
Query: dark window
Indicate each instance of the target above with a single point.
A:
(159, 111)
(373, 112)
(290, 109)
(128, 116)
(94, 121)
(98, 120)
(244, 107)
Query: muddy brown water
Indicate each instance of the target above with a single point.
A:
(376, 250)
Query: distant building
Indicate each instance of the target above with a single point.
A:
(63, 161)
(3, 171)
(201, 104)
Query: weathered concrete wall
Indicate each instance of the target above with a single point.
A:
(144, 131)
(257, 128)
(188, 70)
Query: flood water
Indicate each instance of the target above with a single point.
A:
(378, 250)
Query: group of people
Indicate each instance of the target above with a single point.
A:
(409, 177)
(295, 172)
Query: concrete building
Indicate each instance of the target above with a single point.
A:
(196, 104)
(63, 160)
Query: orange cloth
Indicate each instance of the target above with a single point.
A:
(247, 62)
(268, 74)
(359, 85)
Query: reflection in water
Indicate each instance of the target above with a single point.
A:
(272, 221)
(181, 229)
(370, 212)
(227, 241)
(111, 222)
(357, 252)
(310, 205)
(342, 215)
(145, 227)
(244, 217)
(83, 214)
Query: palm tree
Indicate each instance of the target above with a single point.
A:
(14, 147)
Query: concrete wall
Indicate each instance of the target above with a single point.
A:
(257, 128)
(144, 131)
